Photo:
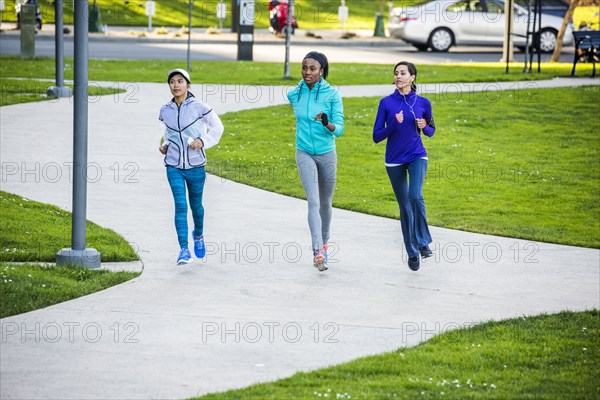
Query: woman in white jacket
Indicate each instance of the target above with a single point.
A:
(190, 127)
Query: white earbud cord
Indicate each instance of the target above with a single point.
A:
(410, 107)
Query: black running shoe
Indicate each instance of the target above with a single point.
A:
(414, 263)
(425, 251)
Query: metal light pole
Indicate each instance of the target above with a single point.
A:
(288, 39)
(189, 43)
(235, 15)
(59, 90)
(78, 253)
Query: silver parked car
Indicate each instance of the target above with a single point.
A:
(441, 24)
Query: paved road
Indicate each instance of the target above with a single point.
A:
(255, 309)
(380, 54)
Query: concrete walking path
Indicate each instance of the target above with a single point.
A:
(255, 310)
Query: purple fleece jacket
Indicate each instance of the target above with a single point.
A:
(404, 143)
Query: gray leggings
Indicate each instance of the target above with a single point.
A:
(318, 176)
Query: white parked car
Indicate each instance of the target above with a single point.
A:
(440, 24)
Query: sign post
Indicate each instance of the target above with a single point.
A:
(150, 11)
(221, 13)
(343, 14)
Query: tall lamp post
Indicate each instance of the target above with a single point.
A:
(288, 39)
(189, 43)
(59, 90)
(78, 253)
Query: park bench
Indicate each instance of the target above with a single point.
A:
(587, 49)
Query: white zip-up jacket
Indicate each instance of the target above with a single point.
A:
(193, 119)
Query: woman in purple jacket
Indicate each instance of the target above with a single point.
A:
(401, 119)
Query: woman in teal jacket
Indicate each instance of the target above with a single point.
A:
(319, 114)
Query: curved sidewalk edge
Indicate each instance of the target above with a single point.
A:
(130, 266)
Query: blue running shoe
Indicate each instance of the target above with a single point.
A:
(199, 248)
(184, 257)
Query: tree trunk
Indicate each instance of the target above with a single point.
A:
(561, 33)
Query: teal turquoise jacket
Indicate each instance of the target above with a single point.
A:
(311, 136)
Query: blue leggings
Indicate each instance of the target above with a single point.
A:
(194, 178)
(407, 182)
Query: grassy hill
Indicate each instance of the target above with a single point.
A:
(311, 14)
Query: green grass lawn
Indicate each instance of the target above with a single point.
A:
(262, 73)
(311, 14)
(35, 232)
(30, 287)
(17, 91)
(543, 357)
(32, 231)
(509, 163)
(502, 163)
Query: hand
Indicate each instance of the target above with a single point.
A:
(421, 123)
(197, 144)
(323, 118)
(163, 149)
(400, 117)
